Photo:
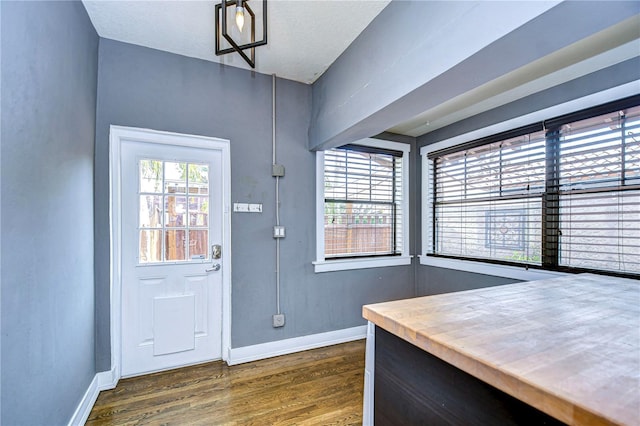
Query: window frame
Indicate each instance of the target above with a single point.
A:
(523, 272)
(186, 228)
(322, 264)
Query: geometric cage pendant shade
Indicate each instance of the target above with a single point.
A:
(222, 31)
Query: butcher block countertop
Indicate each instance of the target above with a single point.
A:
(568, 346)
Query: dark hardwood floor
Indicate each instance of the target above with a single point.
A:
(317, 387)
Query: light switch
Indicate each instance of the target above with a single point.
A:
(240, 207)
(247, 207)
(255, 208)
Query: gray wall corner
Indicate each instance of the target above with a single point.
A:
(49, 77)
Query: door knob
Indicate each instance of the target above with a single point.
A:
(214, 267)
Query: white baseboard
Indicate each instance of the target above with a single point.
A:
(101, 381)
(107, 379)
(295, 344)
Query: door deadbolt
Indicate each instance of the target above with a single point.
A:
(216, 251)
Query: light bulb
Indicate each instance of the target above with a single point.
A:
(240, 17)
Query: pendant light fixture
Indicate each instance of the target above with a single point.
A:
(242, 11)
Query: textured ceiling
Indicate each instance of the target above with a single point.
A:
(304, 36)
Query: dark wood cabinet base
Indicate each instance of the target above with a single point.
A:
(413, 387)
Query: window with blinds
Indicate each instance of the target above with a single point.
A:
(362, 202)
(488, 200)
(564, 194)
(599, 192)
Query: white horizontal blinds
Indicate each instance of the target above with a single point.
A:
(599, 192)
(363, 196)
(488, 200)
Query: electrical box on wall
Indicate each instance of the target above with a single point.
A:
(277, 170)
(278, 231)
(278, 320)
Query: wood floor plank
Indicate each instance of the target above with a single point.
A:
(318, 387)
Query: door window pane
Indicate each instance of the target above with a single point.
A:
(151, 176)
(175, 178)
(198, 211)
(176, 211)
(150, 211)
(150, 246)
(198, 244)
(174, 245)
(198, 179)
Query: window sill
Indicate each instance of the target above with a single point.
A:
(515, 272)
(365, 263)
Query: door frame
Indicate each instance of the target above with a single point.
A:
(118, 135)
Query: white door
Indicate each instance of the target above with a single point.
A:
(172, 227)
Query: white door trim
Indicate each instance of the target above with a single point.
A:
(117, 134)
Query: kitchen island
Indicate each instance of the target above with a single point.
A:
(563, 350)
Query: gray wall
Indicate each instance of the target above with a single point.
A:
(434, 280)
(142, 87)
(418, 54)
(49, 71)
(598, 81)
